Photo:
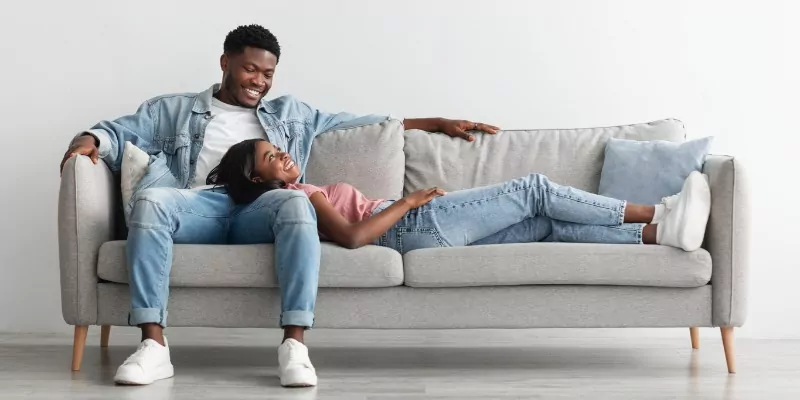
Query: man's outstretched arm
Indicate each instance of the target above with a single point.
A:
(325, 121)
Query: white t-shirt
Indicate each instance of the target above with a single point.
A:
(229, 125)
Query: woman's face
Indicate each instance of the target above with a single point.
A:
(272, 163)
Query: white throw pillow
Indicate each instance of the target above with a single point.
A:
(134, 166)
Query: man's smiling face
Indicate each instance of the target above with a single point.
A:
(246, 76)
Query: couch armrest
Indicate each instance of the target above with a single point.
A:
(728, 239)
(85, 221)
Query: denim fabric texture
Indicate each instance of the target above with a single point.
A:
(523, 210)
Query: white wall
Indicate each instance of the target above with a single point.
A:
(728, 69)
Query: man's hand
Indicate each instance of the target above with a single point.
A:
(461, 128)
(85, 146)
(452, 127)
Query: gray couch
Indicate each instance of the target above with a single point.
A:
(541, 285)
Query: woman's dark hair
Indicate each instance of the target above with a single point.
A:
(235, 173)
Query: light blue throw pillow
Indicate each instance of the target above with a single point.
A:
(643, 172)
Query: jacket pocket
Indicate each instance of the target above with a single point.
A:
(293, 129)
(409, 239)
(171, 145)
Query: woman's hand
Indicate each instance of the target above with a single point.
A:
(422, 197)
(335, 226)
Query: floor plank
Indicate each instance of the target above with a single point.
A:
(374, 365)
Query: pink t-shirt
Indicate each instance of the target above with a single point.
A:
(344, 198)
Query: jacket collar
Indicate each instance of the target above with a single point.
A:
(202, 103)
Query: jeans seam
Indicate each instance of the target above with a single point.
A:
(172, 214)
(139, 225)
(252, 209)
(161, 306)
(430, 231)
(178, 209)
(274, 215)
(616, 209)
(622, 228)
(280, 224)
(383, 239)
(639, 231)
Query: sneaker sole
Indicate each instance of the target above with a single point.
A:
(163, 373)
(299, 385)
(299, 382)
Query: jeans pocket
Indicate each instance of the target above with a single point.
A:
(409, 239)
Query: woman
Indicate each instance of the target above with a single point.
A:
(522, 210)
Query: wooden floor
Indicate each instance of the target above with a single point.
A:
(353, 365)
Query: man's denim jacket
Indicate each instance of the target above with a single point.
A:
(171, 129)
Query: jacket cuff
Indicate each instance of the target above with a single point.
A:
(101, 136)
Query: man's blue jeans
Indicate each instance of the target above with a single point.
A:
(522, 210)
(163, 216)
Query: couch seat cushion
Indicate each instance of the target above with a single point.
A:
(557, 264)
(253, 266)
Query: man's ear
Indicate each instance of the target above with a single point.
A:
(257, 179)
(223, 62)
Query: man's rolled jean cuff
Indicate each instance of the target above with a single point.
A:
(139, 316)
(297, 318)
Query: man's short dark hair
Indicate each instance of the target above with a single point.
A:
(251, 36)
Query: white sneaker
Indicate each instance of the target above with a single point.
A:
(148, 364)
(664, 207)
(294, 366)
(684, 222)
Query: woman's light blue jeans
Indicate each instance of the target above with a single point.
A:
(522, 210)
(163, 216)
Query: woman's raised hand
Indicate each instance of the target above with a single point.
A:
(422, 197)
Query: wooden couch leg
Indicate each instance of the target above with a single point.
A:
(694, 332)
(730, 351)
(78, 344)
(105, 333)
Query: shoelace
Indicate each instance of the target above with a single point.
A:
(139, 354)
(669, 201)
(298, 356)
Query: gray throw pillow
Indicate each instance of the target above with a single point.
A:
(643, 172)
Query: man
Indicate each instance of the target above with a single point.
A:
(187, 135)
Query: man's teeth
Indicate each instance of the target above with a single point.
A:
(253, 93)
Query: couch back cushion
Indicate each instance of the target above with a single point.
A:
(369, 157)
(567, 156)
